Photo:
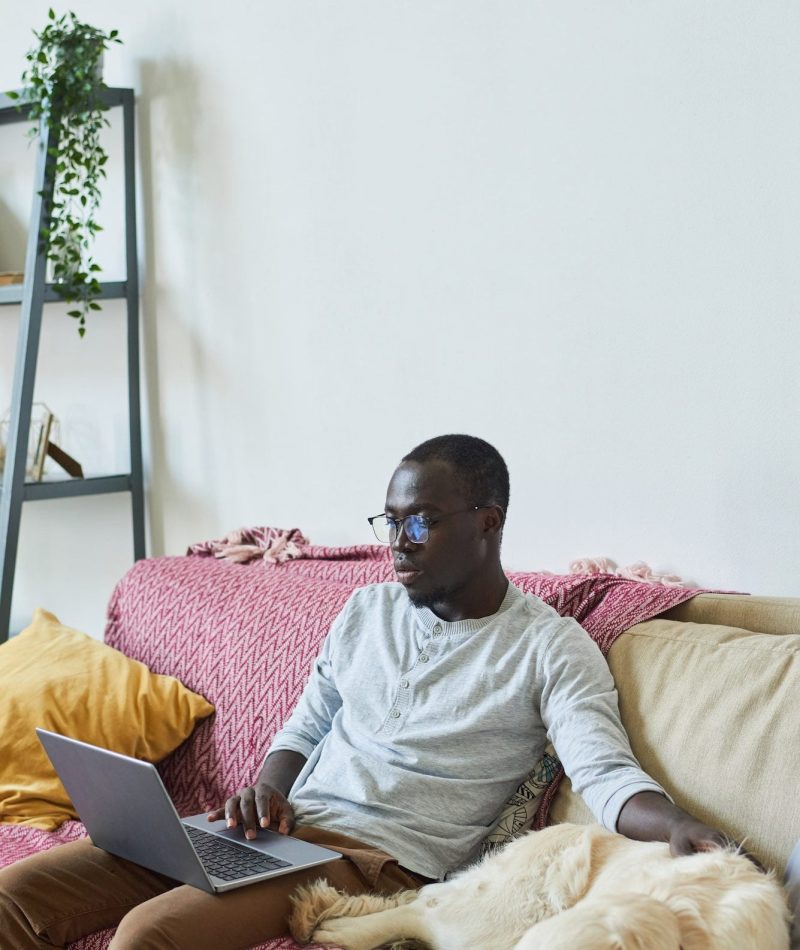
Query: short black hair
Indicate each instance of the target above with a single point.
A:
(478, 465)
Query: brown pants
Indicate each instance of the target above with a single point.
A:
(56, 896)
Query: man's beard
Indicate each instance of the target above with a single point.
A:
(430, 597)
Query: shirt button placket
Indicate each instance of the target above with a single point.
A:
(402, 701)
(436, 632)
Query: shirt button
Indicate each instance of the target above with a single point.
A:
(395, 714)
(404, 684)
(423, 657)
(437, 629)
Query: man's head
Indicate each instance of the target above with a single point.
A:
(459, 485)
(476, 465)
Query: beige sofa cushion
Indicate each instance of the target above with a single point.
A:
(760, 614)
(713, 715)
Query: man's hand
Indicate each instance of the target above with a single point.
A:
(649, 816)
(265, 804)
(689, 835)
(260, 805)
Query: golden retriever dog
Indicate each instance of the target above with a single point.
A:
(568, 887)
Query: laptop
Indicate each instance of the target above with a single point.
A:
(127, 811)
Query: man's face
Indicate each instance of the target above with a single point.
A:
(458, 550)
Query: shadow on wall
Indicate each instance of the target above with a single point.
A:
(13, 240)
(167, 105)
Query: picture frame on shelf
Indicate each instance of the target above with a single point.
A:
(44, 424)
(41, 428)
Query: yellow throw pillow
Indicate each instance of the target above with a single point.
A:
(63, 680)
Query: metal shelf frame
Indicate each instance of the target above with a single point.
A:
(32, 295)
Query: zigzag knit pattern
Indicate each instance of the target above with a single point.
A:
(245, 636)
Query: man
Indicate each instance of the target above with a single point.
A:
(428, 704)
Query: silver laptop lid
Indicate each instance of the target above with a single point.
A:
(125, 807)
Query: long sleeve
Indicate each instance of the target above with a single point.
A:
(580, 710)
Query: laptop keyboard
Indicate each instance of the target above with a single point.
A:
(227, 859)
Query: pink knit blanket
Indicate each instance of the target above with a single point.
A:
(605, 603)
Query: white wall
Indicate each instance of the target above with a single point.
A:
(570, 228)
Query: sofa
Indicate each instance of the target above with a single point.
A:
(708, 683)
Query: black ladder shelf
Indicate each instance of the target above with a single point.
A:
(32, 294)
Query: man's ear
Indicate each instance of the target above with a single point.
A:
(493, 519)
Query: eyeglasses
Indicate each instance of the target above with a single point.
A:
(416, 527)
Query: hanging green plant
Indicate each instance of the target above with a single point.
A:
(62, 88)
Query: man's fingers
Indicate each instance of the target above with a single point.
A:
(232, 811)
(707, 840)
(252, 807)
(247, 808)
(275, 810)
(282, 815)
(263, 799)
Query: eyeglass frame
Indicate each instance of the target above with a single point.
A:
(398, 524)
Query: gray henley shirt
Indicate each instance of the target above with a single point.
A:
(417, 731)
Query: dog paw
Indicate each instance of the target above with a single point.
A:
(341, 932)
(310, 905)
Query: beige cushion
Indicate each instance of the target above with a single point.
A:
(568, 806)
(712, 713)
(760, 614)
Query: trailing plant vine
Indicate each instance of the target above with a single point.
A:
(62, 87)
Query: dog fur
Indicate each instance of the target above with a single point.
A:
(568, 887)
